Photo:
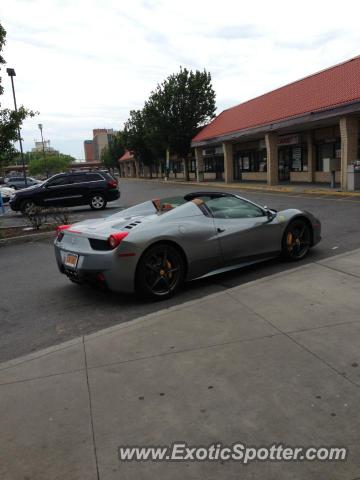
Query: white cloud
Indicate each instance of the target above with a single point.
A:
(86, 64)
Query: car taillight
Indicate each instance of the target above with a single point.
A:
(115, 239)
(60, 231)
(112, 184)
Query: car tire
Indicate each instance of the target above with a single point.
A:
(160, 272)
(296, 241)
(98, 201)
(26, 206)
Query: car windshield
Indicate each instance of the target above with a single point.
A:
(232, 207)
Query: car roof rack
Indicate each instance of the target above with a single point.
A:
(87, 169)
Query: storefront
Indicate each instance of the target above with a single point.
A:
(250, 161)
(291, 134)
(213, 163)
(292, 157)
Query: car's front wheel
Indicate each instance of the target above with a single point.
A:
(27, 206)
(161, 272)
(98, 202)
(297, 240)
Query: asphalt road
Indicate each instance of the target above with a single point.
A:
(39, 307)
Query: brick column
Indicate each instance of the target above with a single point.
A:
(349, 132)
(228, 162)
(272, 158)
(311, 154)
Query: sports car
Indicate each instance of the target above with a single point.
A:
(155, 246)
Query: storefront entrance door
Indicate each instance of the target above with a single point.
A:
(284, 163)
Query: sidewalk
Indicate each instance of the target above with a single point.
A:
(272, 361)
(300, 188)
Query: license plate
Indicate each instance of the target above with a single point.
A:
(71, 260)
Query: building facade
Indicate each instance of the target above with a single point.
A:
(102, 137)
(89, 151)
(304, 132)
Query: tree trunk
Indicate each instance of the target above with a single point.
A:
(186, 169)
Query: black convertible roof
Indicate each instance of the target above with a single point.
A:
(192, 195)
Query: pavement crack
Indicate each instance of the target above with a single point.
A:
(91, 411)
(338, 270)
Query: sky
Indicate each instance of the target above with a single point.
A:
(84, 64)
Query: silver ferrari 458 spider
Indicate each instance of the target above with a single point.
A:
(155, 246)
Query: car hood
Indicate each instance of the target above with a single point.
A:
(32, 188)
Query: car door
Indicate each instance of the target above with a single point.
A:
(81, 187)
(57, 191)
(244, 230)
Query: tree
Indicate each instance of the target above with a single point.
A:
(10, 120)
(49, 164)
(115, 150)
(177, 108)
(137, 138)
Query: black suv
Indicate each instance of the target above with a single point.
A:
(69, 190)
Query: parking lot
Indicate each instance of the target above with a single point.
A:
(40, 307)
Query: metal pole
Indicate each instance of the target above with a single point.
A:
(19, 134)
(43, 148)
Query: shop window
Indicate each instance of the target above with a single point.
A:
(299, 159)
(214, 164)
(327, 150)
(250, 161)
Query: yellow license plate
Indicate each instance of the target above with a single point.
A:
(71, 260)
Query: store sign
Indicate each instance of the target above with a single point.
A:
(289, 140)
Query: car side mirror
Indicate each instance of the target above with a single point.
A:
(271, 214)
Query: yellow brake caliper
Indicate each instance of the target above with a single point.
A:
(289, 240)
(168, 264)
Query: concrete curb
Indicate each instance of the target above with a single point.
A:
(154, 316)
(261, 188)
(25, 238)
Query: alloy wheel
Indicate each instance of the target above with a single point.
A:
(297, 240)
(97, 202)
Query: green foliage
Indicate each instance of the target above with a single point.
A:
(2, 44)
(138, 137)
(172, 116)
(10, 121)
(50, 164)
(115, 150)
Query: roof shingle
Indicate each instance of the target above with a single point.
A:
(329, 88)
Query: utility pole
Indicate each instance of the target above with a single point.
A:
(12, 74)
(43, 149)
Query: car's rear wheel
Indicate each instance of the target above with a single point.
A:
(26, 206)
(98, 202)
(160, 272)
(297, 240)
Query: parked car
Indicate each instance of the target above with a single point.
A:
(6, 193)
(157, 245)
(19, 182)
(68, 190)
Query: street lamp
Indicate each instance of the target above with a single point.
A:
(12, 74)
(43, 148)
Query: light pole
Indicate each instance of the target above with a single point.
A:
(43, 148)
(12, 74)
